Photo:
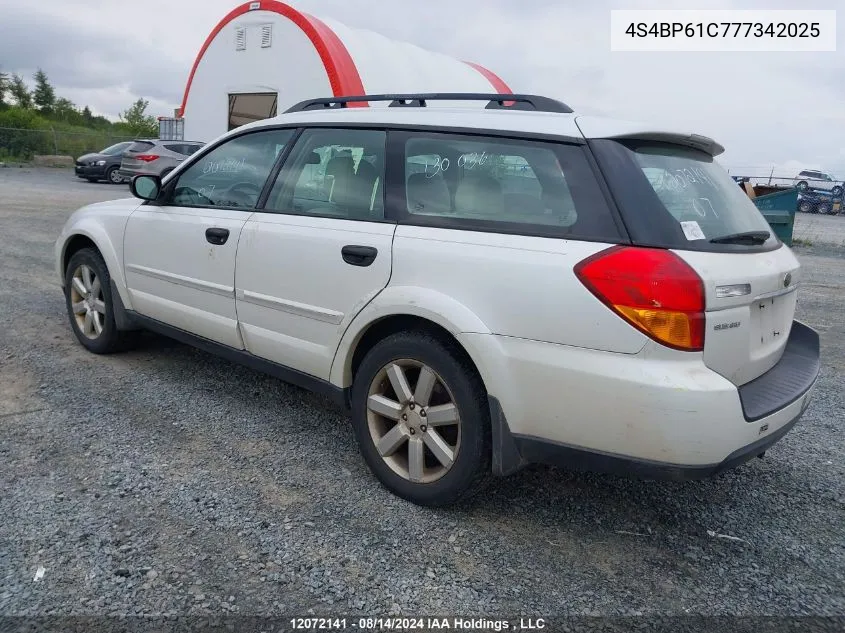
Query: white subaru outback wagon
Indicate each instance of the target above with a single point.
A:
(485, 281)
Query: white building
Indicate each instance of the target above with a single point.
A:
(265, 56)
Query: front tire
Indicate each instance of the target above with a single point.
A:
(421, 419)
(805, 207)
(836, 191)
(824, 208)
(113, 176)
(803, 185)
(88, 298)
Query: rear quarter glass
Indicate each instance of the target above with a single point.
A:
(671, 196)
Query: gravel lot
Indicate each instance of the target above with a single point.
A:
(820, 229)
(169, 481)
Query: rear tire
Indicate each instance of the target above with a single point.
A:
(803, 186)
(440, 452)
(90, 307)
(836, 191)
(805, 207)
(824, 208)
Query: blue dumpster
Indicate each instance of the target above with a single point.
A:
(779, 210)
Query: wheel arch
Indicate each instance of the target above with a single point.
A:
(91, 235)
(399, 309)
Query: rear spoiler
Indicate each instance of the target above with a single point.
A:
(594, 127)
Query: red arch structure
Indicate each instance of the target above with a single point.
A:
(344, 77)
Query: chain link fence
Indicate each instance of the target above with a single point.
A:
(21, 144)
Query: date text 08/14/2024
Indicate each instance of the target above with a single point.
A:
(416, 624)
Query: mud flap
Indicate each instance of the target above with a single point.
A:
(122, 320)
(506, 457)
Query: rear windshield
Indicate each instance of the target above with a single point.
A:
(116, 149)
(140, 146)
(677, 197)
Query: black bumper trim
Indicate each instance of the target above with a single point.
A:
(788, 380)
(513, 452)
(535, 450)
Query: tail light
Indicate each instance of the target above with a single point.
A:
(654, 290)
(147, 158)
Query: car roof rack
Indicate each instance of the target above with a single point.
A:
(495, 101)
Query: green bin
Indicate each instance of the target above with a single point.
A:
(779, 210)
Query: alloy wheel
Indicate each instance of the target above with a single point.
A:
(417, 431)
(87, 302)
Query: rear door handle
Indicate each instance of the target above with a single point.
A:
(217, 236)
(359, 255)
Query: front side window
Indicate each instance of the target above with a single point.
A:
(233, 174)
(333, 173)
(504, 185)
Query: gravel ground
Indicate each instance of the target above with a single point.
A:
(169, 481)
(812, 229)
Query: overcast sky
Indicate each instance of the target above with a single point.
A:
(768, 109)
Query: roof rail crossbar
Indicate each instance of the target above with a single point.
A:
(494, 101)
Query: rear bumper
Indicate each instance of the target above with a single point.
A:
(792, 377)
(529, 450)
(654, 414)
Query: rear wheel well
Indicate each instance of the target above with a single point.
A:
(383, 328)
(74, 245)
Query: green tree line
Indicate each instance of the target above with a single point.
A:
(62, 124)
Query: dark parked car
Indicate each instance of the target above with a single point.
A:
(103, 165)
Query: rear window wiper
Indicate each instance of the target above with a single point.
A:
(749, 237)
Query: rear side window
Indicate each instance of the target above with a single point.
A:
(140, 146)
(673, 196)
(503, 185)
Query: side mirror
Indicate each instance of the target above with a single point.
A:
(145, 187)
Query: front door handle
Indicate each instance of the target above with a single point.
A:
(359, 255)
(217, 236)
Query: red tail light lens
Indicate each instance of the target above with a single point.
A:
(653, 289)
(147, 158)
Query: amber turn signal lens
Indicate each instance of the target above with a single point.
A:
(673, 328)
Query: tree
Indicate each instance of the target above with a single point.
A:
(137, 121)
(4, 86)
(44, 95)
(64, 109)
(86, 114)
(20, 93)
